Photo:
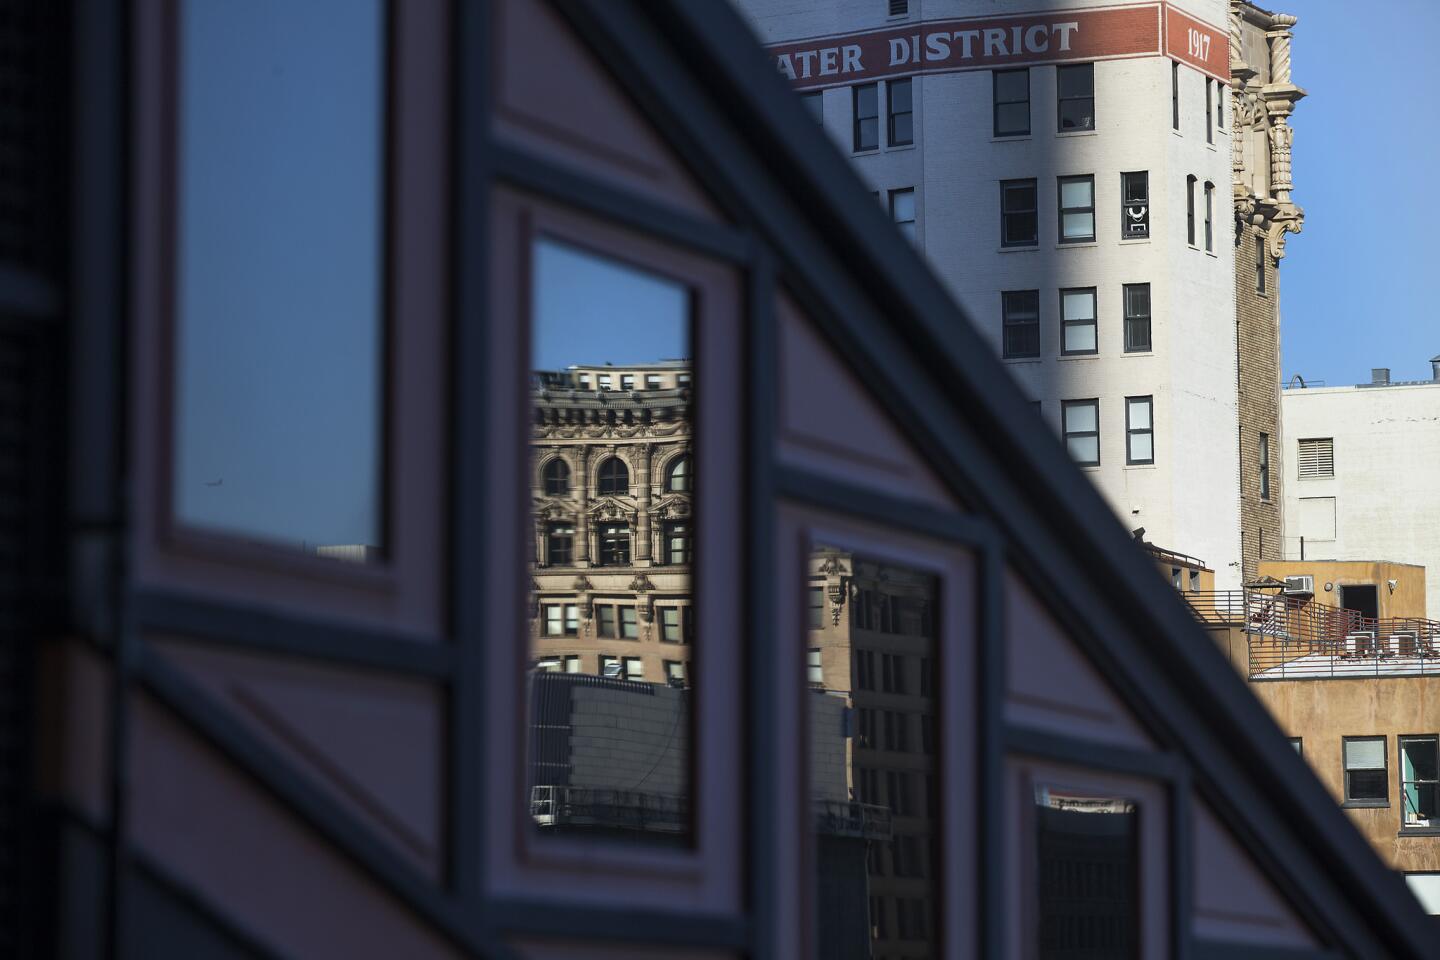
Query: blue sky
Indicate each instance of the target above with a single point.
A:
(1356, 284)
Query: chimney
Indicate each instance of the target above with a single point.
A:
(1435, 369)
(1379, 376)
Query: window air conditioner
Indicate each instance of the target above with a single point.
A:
(1300, 585)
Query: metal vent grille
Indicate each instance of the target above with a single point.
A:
(1317, 458)
(899, 8)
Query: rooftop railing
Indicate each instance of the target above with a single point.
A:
(1296, 638)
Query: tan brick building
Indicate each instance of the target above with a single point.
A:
(1262, 98)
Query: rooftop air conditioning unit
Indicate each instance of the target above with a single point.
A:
(1300, 586)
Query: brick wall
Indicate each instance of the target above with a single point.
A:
(1258, 322)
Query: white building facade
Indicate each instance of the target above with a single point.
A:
(1361, 474)
(1068, 175)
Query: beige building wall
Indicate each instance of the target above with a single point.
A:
(1405, 600)
(1261, 100)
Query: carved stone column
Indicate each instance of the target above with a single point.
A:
(642, 516)
(580, 470)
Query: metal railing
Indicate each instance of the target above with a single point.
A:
(559, 806)
(846, 818)
(1294, 637)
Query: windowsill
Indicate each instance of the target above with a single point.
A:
(1018, 249)
(1068, 245)
(1210, 145)
(1365, 804)
(1077, 133)
(900, 149)
(1011, 138)
(1177, 133)
(1193, 247)
(869, 152)
(1133, 242)
(1262, 293)
(1419, 832)
(1078, 356)
(1088, 467)
(1021, 361)
(1139, 353)
(1212, 253)
(1140, 466)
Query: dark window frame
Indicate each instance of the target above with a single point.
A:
(1190, 181)
(1260, 265)
(902, 225)
(858, 143)
(1011, 328)
(1007, 212)
(1264, 454)
(1350, 799)
(611, 553)
(996, 103)
(670, 532)
(1209, 104)
(1066, 433)
(1174, 95)
(1126, 179)
(555, 477)
(1061, 100)
(555, 533)
(1134, 319)
(1209, 217)
(1132, 431)
(1400, 741)
(1093, 322)
(612, 477)
(1060, 184)
(680, 468)
(892, 139)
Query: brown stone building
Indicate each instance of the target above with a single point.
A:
(612, 480)
(1262, 97)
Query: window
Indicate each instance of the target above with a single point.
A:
(670, 625)
(1209, 217)
(548, 665)
(1190, 210)
(815, 103)
(627, 382)
(1259, 264)
(867, 116)
(877, 919)
(606, 383)
(652, 381)
(677, 541)
(1134, 205)
(1175, 577)
(892, 673)
(613, 477)
(554, 621)
(1264, 466)
(899, 112)
(610, 666)
(902, 211)
(1366, 784)
(1209, 130)
(1019, 226)
(677, 479)
(1077, 209)
(1139, 430)
(910, 919)
(1137, 317)
(675, 673)
(1298, 744)
(1174, 96)
(1219, 105)
(605, 621)
(634, 669)
(614, 545)
(1418, 782)
(1012, 102)
(1077, 321)
(1020, 324)
(629, 626)
(1194, 581)
(559, 544)
(1075, 86)
(584, 379)
(557, 478)
(1080, 423)
(1088, 877)
(815, 608)
(572, 664)
(864, 669)
(1317, 458)
(814, 670)
(280, 234)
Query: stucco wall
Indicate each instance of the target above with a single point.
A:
(1407, 599)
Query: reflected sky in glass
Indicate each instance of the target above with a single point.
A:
(590, 309)
(278, 379)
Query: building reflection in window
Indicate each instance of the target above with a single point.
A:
(872, 671)
(1087, 875)
(612, 625)
(278, 274)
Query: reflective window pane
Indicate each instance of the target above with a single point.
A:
(278, 289)
(873, 766)
(1087, 875)
(609, 737)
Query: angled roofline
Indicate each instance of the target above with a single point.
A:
(699, 71)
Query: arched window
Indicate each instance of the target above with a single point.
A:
(678, 479)
(557, 478)
(614, 478)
